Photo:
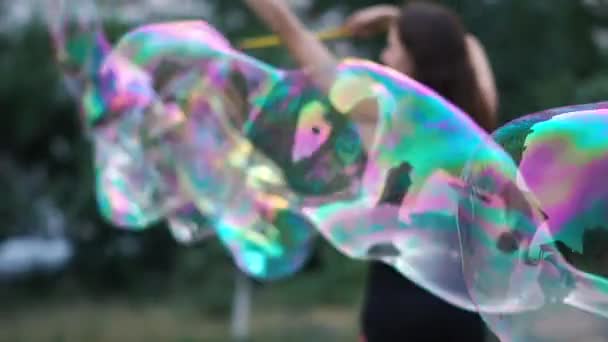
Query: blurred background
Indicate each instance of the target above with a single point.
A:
(67, 275)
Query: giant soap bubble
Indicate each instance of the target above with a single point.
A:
(146, 122)
(540, 251)
(365, 154)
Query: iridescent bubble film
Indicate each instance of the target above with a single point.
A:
(146, 102)
(188, 225)
(541, 250)
(403, 209)
(368, 156)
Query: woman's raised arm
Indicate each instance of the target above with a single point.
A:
(302, 44)
(483, 73)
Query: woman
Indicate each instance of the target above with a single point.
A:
(427, 42)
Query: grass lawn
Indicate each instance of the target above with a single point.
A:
(319, 306)
(120, 321)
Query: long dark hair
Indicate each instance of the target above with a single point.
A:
(435, 39)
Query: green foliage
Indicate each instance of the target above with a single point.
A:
(593, 89)
(541, 50)
(34, 102)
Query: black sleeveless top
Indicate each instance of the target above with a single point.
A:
(396, 310)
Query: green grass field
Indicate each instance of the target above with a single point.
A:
(119, 321)
(321, 305)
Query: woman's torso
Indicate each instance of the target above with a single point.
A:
(396, 309)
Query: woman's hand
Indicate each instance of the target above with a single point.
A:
(371, 20)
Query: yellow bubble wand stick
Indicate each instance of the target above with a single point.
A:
(272, 40)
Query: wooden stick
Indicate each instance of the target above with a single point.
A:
(262, 42)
